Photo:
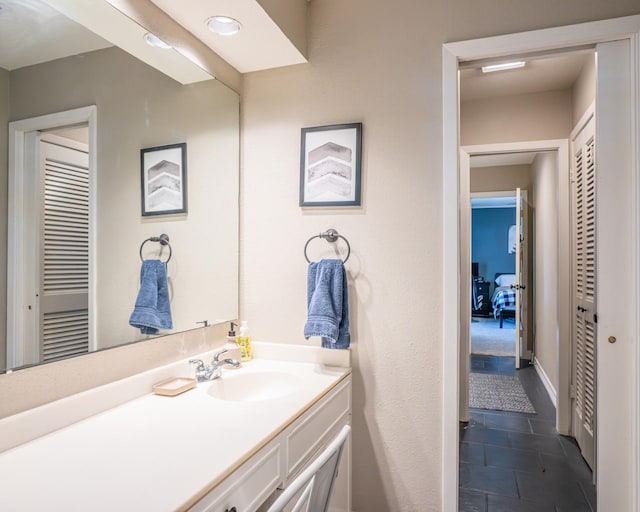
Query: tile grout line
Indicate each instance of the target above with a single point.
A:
(515, 442)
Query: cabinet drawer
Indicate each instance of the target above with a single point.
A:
(248, 487)
(312, 431)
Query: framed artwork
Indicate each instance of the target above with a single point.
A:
(164, 179)
(330, 165)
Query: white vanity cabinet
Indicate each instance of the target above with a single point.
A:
(195, 451)
(276, 464)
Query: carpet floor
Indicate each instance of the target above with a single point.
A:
(488, 339)
(498, 392)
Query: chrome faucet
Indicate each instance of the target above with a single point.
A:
(205, 372)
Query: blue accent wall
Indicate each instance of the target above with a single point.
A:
(489, 240)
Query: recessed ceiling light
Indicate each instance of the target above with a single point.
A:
(503, 66)
(223, 25)
(155, 41)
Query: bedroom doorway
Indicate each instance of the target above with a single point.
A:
(493, 270)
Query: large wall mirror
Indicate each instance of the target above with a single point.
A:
(124, 105)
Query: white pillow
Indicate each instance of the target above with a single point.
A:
(506, 280)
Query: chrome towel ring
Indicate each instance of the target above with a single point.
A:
(163, 239)
(330, 235)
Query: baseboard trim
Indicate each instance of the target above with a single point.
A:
(545, 380)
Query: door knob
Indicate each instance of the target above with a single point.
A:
(612, 339)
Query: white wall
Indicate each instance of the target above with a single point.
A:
(584, 90)
(534, 116)
(360, 69)
(544, 176)
(501, 177)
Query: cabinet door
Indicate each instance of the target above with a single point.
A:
(313, 431)
(249, 486)
(310, 434)
(256, 483)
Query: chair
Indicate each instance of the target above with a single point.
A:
(317, 480)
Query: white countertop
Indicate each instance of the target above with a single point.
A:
(154, 453)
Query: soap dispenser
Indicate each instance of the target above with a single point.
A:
(244, 340)
(232, 347)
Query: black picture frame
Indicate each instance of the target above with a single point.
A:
(331, 165)
(163, 174)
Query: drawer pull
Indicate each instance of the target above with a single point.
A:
(232, 509)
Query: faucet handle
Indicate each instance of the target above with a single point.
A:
(199, 362)
(216, 357)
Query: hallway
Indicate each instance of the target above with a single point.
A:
(517, 462)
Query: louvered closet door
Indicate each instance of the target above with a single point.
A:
(584, 293)
(64, 251)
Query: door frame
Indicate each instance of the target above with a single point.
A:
(496, 193)
(23, 140)
(620, 489)
(506, 193)
(560, 147)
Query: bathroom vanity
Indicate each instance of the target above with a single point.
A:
(231, 442)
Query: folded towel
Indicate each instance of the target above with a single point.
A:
(152, 310)
(328, 303)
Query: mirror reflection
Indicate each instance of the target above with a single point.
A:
(73, 225)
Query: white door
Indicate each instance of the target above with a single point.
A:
(583, 388)
(63, 288)
(521, 276)
(25, 236)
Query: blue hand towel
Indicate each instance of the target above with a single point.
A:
(328, 303)
(152, 310)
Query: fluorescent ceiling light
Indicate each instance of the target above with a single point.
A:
(503, 66)
(223, 25)
(155, 41)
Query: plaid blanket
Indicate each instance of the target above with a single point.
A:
(503, 297)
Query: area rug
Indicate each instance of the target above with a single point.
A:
(499, 392)
(488, 339)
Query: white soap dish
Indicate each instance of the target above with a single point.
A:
(174, 386)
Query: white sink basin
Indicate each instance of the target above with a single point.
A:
(254, 386)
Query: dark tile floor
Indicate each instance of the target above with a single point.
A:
(517, 462)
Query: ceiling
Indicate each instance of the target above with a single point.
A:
(31, 32)
(260, 44)
(37, 31)
(550, 73)
(34, 31)
(524, 158)
(542, 74)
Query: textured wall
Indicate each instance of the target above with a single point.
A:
(544, 175)
(584, 90)
(378, 62)
(500, 178)
(535, 116)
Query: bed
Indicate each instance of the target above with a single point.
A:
(504, 296)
